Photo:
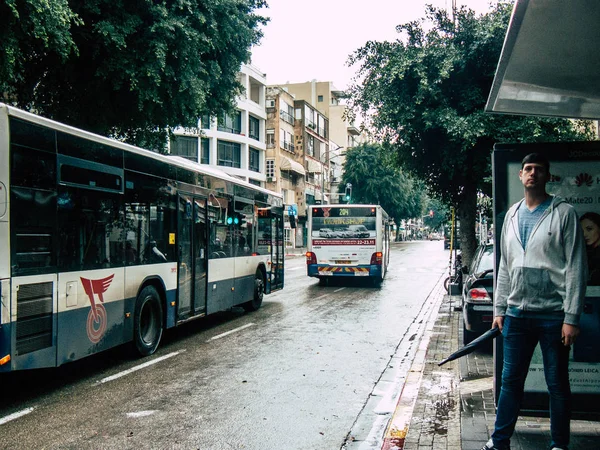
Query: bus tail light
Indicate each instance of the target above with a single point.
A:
(377, 258)
(4, 360)
(311, 258)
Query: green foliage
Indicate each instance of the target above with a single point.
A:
(424, 96)
(131, 69)
(376, 180)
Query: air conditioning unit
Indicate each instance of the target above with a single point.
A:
(271, 179)
(270, 103)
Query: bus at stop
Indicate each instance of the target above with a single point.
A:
(103, 243)
(348, 241)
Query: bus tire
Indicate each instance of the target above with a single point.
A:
(259, 293)
(323, 281)
(147, 321)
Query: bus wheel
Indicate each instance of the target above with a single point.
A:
(323, 281)
(259, 293)
(147, 321)
(376, 281)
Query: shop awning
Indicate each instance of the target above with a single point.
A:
(314, 166)
(286, 163)
(549, 64)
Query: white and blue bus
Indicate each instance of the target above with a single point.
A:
(348, 241)
(103, 243)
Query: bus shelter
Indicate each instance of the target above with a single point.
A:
(548, 67)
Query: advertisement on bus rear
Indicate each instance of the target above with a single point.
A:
(344, 235)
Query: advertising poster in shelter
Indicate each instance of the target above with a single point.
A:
(575, 176)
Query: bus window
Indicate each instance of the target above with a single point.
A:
(90, 225)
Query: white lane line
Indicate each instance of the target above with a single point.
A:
(135, 415)
(136, 368)
(340, 289)
(321, 296)
(16, 415)
(294, 268)
(235, 330)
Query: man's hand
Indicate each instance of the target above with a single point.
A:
(499, 322)
(569, 334)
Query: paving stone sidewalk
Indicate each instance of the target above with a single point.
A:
(455, 406)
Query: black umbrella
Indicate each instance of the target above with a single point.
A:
(490, 334)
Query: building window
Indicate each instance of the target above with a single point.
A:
(254, 160)
(254, 182)
(229, 154)
(230, 123)
(320, 98)
(205, 121)
(205, 151)
(310, 199)
(185, 146)
(271, 138)
(286, 112)
(286, 140)
(310, 145)
(270, 170)
(254, 128)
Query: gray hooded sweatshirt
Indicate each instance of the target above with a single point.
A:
(550, 274)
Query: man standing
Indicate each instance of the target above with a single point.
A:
(538, 298)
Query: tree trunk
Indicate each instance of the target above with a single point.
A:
(466, 214)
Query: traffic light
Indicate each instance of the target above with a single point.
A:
(348, 192)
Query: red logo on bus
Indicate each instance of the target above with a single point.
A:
(96, 321)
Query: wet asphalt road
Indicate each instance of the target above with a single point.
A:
(296, 374)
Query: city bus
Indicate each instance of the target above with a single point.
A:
(348, 241)
(103, 243)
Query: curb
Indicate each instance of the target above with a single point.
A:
(398, 426)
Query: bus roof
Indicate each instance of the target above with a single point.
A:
(173, 160)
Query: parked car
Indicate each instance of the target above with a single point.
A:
(478, 294)
(359, 231)
(326, 233)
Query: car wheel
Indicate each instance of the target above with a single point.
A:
(259, 293)
(147, 321)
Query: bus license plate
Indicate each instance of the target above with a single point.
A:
(361, 274)
(327, 273)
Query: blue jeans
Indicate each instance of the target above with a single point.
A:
(520, 339)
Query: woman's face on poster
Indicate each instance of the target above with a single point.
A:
(591, 233)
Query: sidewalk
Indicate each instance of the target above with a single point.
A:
(455, 409)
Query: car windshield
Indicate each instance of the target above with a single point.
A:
(486, 262)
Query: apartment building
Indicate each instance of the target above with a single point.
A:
(236, 142)
(285, 169)
(330, 102)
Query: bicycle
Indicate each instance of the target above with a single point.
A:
(457, 276)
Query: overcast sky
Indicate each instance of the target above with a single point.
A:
(333, 29)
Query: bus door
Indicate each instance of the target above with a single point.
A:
(270, 242)
(192, 256)
(277, 249)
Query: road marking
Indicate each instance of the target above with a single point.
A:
(294, 268)
(321, 296)
(340, 289)
(135, 415)
(235, 330)
(136, 368)
(16, 415)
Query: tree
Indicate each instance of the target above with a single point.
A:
(376, 180)
(424, 97)
(130, 69)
